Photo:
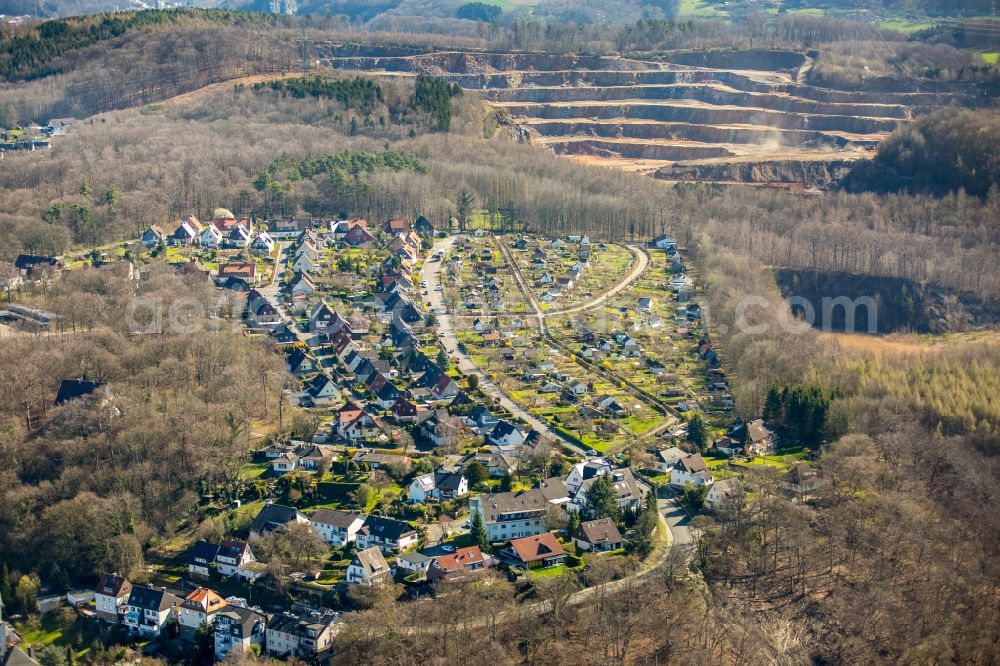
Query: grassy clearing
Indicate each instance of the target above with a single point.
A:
(991, 58)
(700, 9)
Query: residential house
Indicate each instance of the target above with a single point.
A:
(198, 608)
(534, 552)
(407, 411)
(511, 515)
(598, 535)
(259, 311)
(153, 236)
(302, 285)
(308, 636)
(645, 304)
(800, 480)
(300, 363)
(414, 562)
(627, 491)
(438, 485)
(337, 528)
(396, 226)
(389, 535)
(238, 630)
(275, 517)
(760, 439)
(496, 464)
(246, 271)
(667, 458)
(238, 237)
(283, 335)
(320, 391)
(289, 228)
(457, 566)
(111, 596)
(358, 235)
(263, 244)
(201, 558)
(187, 232)
(210, 237)
(423, 226)
(285, 463)
(691, 469)
(368, 567)
(506, 434)
(723, 492)
(324, 319)
(36, 267)
(663, 242)
(231, 556)
(584, 471)
(149, 610)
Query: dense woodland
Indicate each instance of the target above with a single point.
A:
(89, 486)
(939, 153)
(897, 560)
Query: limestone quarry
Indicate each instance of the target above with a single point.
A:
(717, 116)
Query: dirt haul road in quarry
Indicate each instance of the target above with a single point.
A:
(743, 116)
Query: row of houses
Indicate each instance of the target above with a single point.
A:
(236, 627)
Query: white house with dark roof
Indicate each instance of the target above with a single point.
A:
(368, 567)
(337, 528)
(237, 630)
(691, 469)
(149, 610)
(275, 517)
(389, 535)
(505, 433)
(110, 596)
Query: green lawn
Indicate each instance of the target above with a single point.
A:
(991, 58)
(550, 572)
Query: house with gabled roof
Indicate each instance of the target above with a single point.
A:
(198, 608)
(691, 469)
(723, 492)
(238, 237)
(300, 363)
(357, 235)
(320, 391)
(187, 232)
(210, 237)
(337, 528)
(275, 517)
(302, 285)
(505, 433)
(201, 558)
(231, 556)
(149, 610)
(368, 567)
(387, 534)
(111, 596)
(262, 244)
(598, 535)
(153, 236)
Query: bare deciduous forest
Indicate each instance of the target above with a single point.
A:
(897, 559)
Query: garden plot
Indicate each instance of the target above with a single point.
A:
(644, 335)
(572, 399)
(565, 274)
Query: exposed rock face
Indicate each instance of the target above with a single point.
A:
(725, 116)
(896, 304)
